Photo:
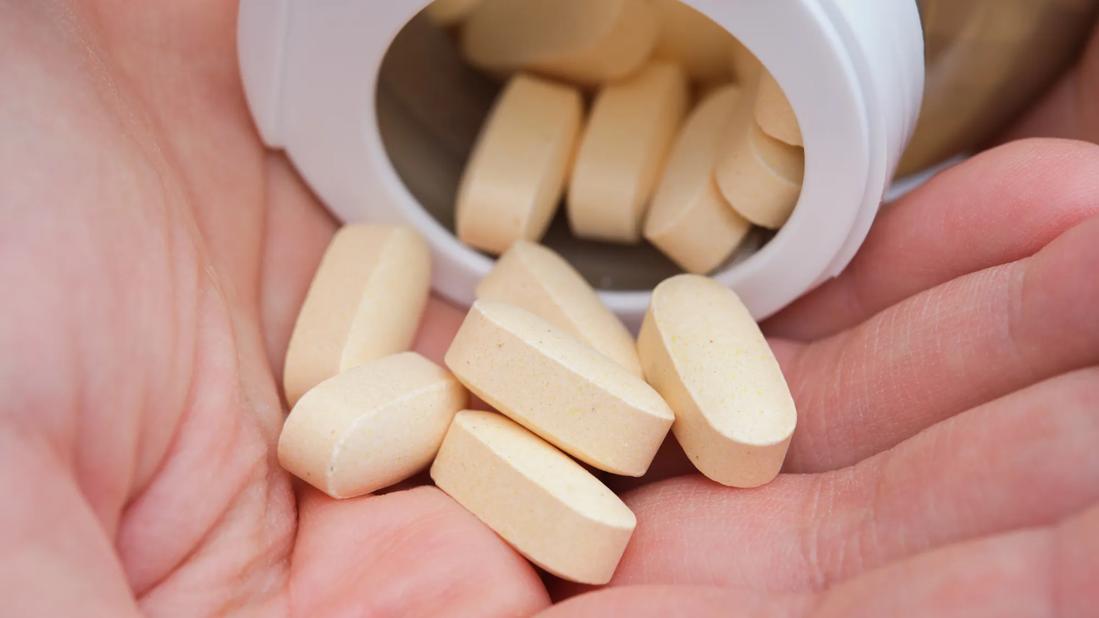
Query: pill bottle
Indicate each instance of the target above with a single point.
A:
(375, 109)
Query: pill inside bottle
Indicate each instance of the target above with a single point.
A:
(557, 122)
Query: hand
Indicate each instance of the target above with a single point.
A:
(154, 256)
(948, 394)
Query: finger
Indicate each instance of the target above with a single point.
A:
(1025, 460)
(1022, 461)
(684, 601)
(1069, 109)
(297, 231)
(996, 208)
(1029, 574)
(945, 350)
(408, 553)
(441, 320)
(1032, 573)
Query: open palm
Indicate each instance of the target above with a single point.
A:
(154, 255)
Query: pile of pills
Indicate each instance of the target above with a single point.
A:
(564, 378)
(687, 142)
(648, 122)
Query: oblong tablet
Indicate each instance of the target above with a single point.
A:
(689, 220)
(534, 278)
(577, 399)
(774, 114)
(704, 353)
(745, 65)
(450, 12)
(578, 40)
(622, 152)
(371, 426)
(513, 181)
(759, 175)
(545, 505)
(693, 40)
(365, 302)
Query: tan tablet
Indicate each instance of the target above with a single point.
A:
(704, 353)
(745, 65)
(622, 153)
(694, 41)
(774, 114)
(759, 175)
(689, 220)
(371, 426)
(534, 278)
(450, 12)
(576, 40)
(545, 505)
(572, 396)
(364, 303)
(514, 179)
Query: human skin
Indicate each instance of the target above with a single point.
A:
(153, 256)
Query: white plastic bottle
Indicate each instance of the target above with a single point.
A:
(853, 71)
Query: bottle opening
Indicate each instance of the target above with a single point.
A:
(432, 104)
